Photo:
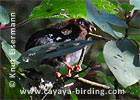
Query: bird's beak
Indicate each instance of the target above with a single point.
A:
(92, 28)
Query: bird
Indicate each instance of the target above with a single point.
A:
(67, 30)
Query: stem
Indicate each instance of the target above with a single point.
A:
(122, 12)
(82, 56)
(132, 15)
(134, 27)
(98, 36)
(133, 34)
(17, 25)
(128, 19)
(126, 32)
(92, 83)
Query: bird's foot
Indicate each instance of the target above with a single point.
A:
(76, 68)
(72, 68)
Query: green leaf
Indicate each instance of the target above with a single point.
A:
(113, 19)
(107, 5)
(73, 96)
(126, 7)
(60, 9)
(119, 56)
(13, 93)
(107, 79)
(119, 34)
(134, 89)
(11, 53)
(115, 2)
(101, 58)
(69, 81)
(93, 16)
(34, 56)
(4, 18)
(136, 4)
(82, 74)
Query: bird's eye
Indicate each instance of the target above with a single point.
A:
(81, 21)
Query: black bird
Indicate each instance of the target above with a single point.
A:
(71, 29)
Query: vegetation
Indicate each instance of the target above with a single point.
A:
(117, 37)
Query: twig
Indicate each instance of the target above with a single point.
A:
(98, 36)
(121, 10)
(134, 27)
(132, 16)
(135, 43)
(92, 83)
(126, 32)
(17, 25)
(82, 56)
(128, 19)
(132, 12)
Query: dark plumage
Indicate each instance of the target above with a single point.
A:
(73, 29)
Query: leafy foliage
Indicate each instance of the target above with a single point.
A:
(60, 9)
(121, 55)
(93, 16)
(73, 96)
(106, 5)
(121, 63)
(11, 53)
(109, 81)
(42, 52)
(14, 93)
(112, 19)
(126, 7)
(135, 3)
(68, 8)
(4, 18)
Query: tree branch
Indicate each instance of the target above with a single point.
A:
(132, 15)
(92, 83)
(134, 27)
(17, 25)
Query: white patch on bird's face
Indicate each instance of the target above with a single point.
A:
(50, 35)
(58, 38)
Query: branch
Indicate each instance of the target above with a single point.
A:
(17, 25)
(133, 33)
(128, 19)
(99, 37)
(122, 12)
(92, 83)
(132, 15)
(134, 27)
(82, 56)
